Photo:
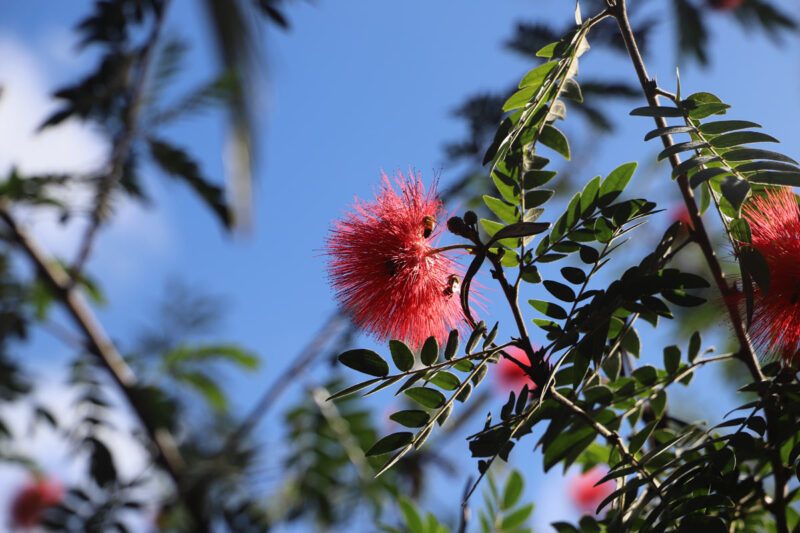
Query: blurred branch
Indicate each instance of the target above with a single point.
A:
(312, 350)
(122, 144)
(341, 430)
(99, 344)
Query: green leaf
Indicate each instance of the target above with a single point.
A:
(505, 212)
(445, 380)
(681, 147)
(411, 418)
(517, 518)
(589, 196)
(475, 336)
(615, 183)
(177, 163)
(766, 165)
(705, 174)
(646, 375)
(789, 179)
(547, 50)
(519, 99)
(365, 361)
(355, 388)
(203, 384)
(536, 77)
(536, 178)
(670, 130)
(672, 359)
(451, 348)
(756, 266)
(549, 309)
(212, 352)
(507, 187)
(737, 138)
(413, 520)
(537, 197)
(572, 90)
(693, 162)
(426, 397)
(746, 154)
(559, 290)
(724, 126)
(553, 138)
(520, 229)
(430, 351)
(390, 443)
(639, 438)
(659, 403)
(574, 275)
(491, 336)
(603, 230)
(657, 111)
(402, 355)
(734, 190)
(695, 342)
(512, 491)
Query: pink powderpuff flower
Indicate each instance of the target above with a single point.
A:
(383, 264)
(33, 498)
(775, 227)
(510, 377)
(586, 494)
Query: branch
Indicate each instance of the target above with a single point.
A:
(122, 145)
(612, 437)
(99, 344)
(312, 350)
(700, 234)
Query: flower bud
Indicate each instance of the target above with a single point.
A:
(470, 218)
(456, 226)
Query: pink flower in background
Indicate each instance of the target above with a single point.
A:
(510, 377)
(33, 498)
(384, 267)
(775, 227)
(725, 5)
(678, 212)
(585, 492)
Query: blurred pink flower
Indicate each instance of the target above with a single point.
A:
(587, 494)
(510, 377)
(33, 498)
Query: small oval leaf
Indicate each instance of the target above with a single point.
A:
(365, 361)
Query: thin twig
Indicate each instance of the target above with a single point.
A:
(122, 145)
(334, 323)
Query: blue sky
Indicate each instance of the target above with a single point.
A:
(353, 88)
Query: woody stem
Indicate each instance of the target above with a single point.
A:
(746, 353)
(649, 88)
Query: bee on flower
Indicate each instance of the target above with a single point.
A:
(385, 269)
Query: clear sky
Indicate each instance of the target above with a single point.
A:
(353, 88)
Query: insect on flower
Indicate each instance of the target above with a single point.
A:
(385, 268)
(775, 227)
